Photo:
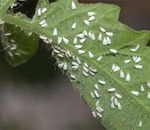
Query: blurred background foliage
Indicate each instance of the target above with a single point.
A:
(36, 94)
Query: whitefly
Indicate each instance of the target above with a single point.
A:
(92, 18)
(85, 73)
(96, 94)
(78, 46)
(111, 89)
(75, 40)
(81, 52)
(74, 26)
(113, 51)
(44, 10)
(82, 40)
(136, 93)
(128, 78)
(148, 95)
(91, 13)
(110, 34)
(55, 32)
(73, 6)
(102, 29)
(90, 54)
(102, 82)
(142, 88)
(100, 38)
(99, 58)
(87, 22)
(66, 41)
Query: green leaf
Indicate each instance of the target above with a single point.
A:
(18, 44)
(5, 4)
(120, 102)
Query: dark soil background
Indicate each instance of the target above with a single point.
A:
(37, 96)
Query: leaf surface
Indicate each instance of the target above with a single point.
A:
(19, 45)
(120, 102)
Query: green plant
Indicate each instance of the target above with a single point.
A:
(105, 60)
